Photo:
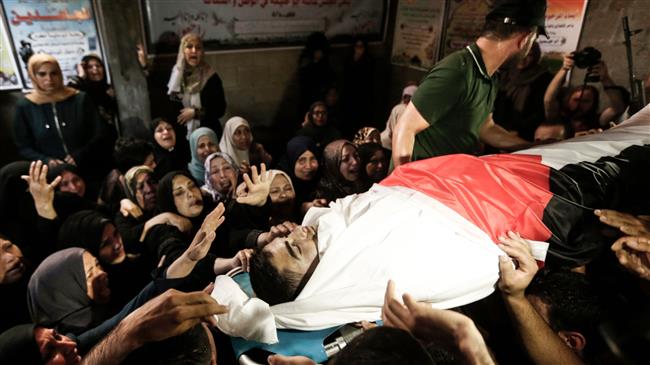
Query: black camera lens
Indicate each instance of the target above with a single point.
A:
(587, 57)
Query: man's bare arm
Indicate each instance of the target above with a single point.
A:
(169, 314)
(496, 136)
(542, 344)
(409, 124)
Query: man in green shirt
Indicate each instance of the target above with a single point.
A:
(452, 108)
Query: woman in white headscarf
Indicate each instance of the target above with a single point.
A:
(236, 141)
(198, 87)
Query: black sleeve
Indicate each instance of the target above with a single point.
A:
(130, 229)
(213, 104)
(247, 223)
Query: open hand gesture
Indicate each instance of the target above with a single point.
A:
(42, 192)
(206, 234)
(257, 189)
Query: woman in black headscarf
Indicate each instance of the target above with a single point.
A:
(93, 81)
(342, 175)
(69, 291)
(302, 166)
(17, 211)
(14, 275)
(97, 234)
(171, 153)
(374, 161)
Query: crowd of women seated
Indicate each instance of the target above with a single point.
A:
(91, 223)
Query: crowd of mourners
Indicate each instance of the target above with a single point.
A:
(109, 243)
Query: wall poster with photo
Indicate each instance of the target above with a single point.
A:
(65, 29)
(9, 78)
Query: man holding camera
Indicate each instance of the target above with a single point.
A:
(579, 108)
(451, 112)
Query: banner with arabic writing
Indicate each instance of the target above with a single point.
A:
(416, 39)
(227, 24)
(564, 19)
(65, 29)
(9, 78)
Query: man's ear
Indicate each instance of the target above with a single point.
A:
(575, 340)
(523, 39)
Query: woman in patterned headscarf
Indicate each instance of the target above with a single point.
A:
(195, 83)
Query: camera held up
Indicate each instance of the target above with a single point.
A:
(587, 58)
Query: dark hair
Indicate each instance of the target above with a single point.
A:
(269, 284)
(383, 346)
(568, 128)
(60, 169)
(165, 193)
(155, 122)
(315, 41)
(83, 229)
(496, 29)
(129, 152)
(312, 107)
(573, 303)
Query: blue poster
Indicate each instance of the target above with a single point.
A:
(65, 29)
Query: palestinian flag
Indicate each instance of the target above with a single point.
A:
(546, 193)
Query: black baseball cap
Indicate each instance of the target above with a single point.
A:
(521, 12)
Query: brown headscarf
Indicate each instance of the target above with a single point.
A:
(40, 96)
(186, 79)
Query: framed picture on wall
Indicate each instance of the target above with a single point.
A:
(237, 24)
(9, 75)
(65, 29)
(418, 29)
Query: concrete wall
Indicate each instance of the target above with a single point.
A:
(603, 30)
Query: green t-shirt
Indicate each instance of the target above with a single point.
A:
(456, 97)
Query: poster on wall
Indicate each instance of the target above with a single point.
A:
(564, 19)
(464, 23)
(228, 24)
(65, 29)
(418, 27)
(9, 78)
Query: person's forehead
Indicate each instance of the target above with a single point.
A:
(205, 139)
(4, 243)
(163, 125)
(219, 162)
(180, 180)
(279, 179)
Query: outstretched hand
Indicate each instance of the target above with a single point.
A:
(626, 223)
(515, 279)
(447, 328)
(257, 189)
(203, 239)
(41, 191)
(633, 253)
(170, 314)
